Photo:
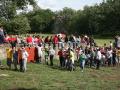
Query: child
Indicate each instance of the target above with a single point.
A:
(72, 59)
(118, 56)
(114, 57)
(78, 52)
(15, 58)
(61, 58)
(46, 55)
(82, 60)
(51, 54)
(40, 53)
(98, 58)
(9, 57)
(24, 59)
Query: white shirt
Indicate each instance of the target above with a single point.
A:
(40, 53)
(24, 55)
(109, 54)
(52, 52)
(99, 55)
(18, 40)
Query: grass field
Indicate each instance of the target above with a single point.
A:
(43, 77)
(100, 42)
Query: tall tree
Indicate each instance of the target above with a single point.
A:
(8, 7)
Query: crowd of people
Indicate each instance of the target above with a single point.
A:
(71, 51)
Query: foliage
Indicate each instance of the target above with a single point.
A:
(41, 20)
(8, 7)
(18, 25)
(102, 19)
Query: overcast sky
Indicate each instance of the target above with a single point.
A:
(59, 4)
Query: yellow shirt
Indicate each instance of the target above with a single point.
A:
(72, 56)
(118, 52)
(9, 53)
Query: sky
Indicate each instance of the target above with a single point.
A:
(60, 4)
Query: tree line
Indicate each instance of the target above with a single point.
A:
(100, 19)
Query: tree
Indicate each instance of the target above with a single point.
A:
(18, 25)
(64, 20)
(8, 7)
(41, 20)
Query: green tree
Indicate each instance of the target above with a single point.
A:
(8, 7)
(41, 20)
(64, 20)
(18, 25)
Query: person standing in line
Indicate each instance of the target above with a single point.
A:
(24, 59)
(29, 40)
(46, 55)
(15, 58)
(61, 57)
(92, 57)
(118, 56)
(9, 57)
(40, 53)
(78, 51)
(82, 59)
(114, 57)
(98, 58)
(72, 59)
(51, 41)
(109, 56)
(51, 54)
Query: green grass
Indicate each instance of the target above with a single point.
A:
(101, 42)
(43, 77)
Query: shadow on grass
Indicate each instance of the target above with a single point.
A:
(58, 68)
(23, 89)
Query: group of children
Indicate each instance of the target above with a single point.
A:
(12, 57)
(69, 50)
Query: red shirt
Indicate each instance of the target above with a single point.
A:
(55, 39)
(29, 39)
(46, 40)
(36, 40)
(60, 53)
(12, 39)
